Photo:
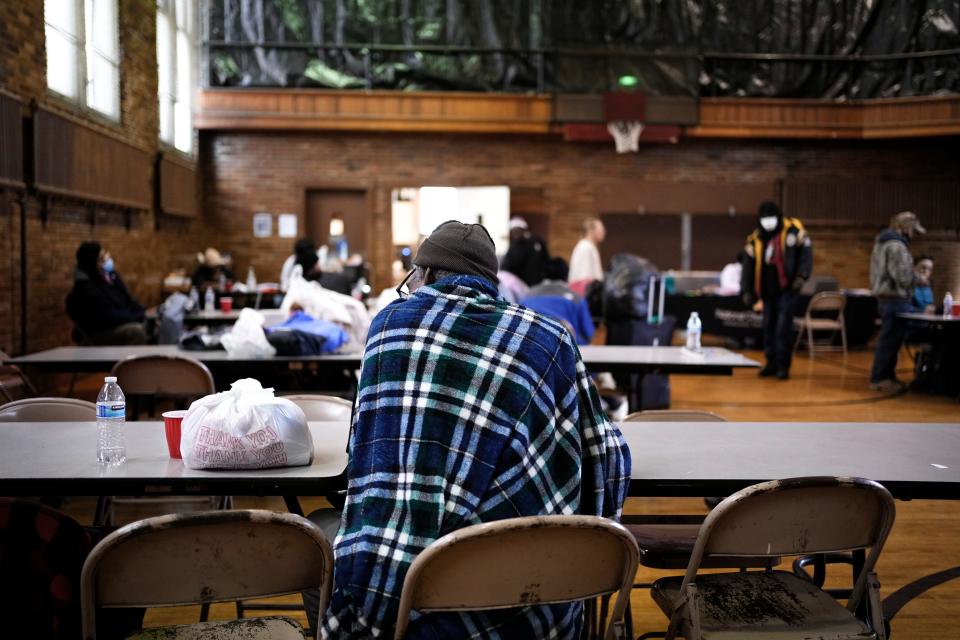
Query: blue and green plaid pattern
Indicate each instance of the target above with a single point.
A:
(470, 409)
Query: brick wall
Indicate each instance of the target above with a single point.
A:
(145, 251)
(246, 172)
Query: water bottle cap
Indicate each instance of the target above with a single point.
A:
(110, 379)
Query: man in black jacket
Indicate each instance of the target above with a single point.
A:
(527, 256)
(99, 303)
(777, 260)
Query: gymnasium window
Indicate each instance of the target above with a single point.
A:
(176, 70)
(83, 53)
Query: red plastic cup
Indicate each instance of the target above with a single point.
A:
(226, 304)
(171, 422)
(955, 310)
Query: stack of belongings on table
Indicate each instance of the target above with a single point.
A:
(304, 335)
(553, 298)
(626, 302)
(322, 304)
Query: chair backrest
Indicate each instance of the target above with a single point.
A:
(521, 562)
(320, 407)
(41, 554)
(827, 301)
(12, 377)
(48, 410)
(798, 516)
(167, 376)
(674, 415)
(207, 557)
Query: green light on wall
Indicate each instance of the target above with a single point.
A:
(628, 82)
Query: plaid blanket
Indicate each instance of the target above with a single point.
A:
(470, 409)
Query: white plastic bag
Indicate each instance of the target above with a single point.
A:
(246, 339)
(245, 428)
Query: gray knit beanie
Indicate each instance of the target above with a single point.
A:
(460, 248)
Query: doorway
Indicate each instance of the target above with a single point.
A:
(349, 205)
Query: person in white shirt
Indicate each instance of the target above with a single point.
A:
(585, 261)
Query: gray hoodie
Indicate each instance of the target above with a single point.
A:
(891, 266)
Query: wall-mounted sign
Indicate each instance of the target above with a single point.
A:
(262, 225)
(287, 225)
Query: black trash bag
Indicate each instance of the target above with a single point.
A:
(201, 341)
(626, 287)
(293, 342)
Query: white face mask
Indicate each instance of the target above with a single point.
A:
(769, 223)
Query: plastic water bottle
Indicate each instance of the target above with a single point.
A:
(209, 299)
(111, 416)
(251, 280)
(694, 330)
(194, 299)
(947, 304)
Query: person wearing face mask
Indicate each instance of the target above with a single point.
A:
(777, 260)
(99, 303)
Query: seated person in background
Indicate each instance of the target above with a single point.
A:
(99, 303)
(554, 299)
(301, 250)
(922, 292)
(730, 277)
(469, 409)
(212, 269)
(527, 256)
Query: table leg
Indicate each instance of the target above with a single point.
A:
(293, 505)
(100, 513)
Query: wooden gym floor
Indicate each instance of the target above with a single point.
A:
(925, 538)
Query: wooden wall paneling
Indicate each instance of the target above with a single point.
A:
(689, 197)
(372, 111)
(177, 180)
(11, 140)
(316, 109)
(74, 160)
(937, 203)
(808, 118)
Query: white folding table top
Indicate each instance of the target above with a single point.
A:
(65, 453)
(919, 460)
(616, 355)
(676, 359)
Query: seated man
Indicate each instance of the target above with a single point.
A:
(99, 303)
(922, 291)
(469, 409)
(212, 269)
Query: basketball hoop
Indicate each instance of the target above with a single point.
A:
(626, 134)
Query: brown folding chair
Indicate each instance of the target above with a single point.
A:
(159, 377)
(825, 301)
(782, 518)
(48, 410)
(162, 377)
(12, 379)
(667, 542)
(322, 408)
(204, 558)
(674, 415)
(42, 551)
(511, 563)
